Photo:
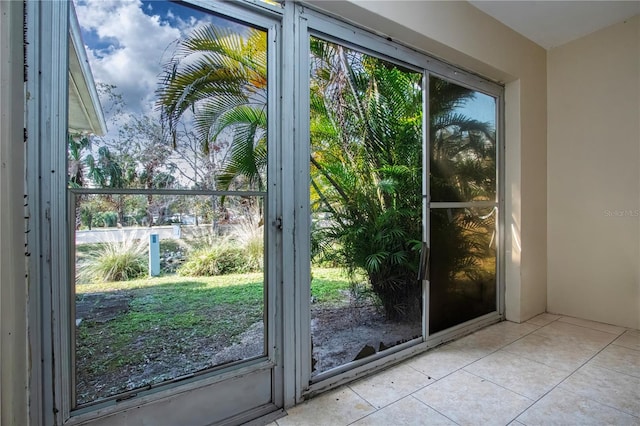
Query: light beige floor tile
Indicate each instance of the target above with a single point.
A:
(407, 411)
(630, 339)
(442, 361)
(521, 375)
(608, 387)
(513, 328)
(334, 408)
(390, 385)
(564, 408)
(608, 328)
(486, 341)
(620, 359)
(470, 400)
(556, 353)
(577, 335)
(543, 319)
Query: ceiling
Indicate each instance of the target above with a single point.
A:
(554, 23)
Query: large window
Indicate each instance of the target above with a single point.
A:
(168, 204)
(259, 202)
(366, 205)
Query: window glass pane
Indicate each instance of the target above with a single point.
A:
(158, 303)
(165, 286)
(366, 186)
(463, 143)
(462, 265)
(183, 94)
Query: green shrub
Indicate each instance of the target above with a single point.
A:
(215, 260)
(114, 261)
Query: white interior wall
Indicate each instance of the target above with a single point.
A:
(594, 176)
(13, 322)
(463, 35)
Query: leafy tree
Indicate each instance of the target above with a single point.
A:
(366, 143)
(137, 157)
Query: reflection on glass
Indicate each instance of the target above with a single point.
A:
(366, 149)
(184, 98)
(205, 307)
(463, 143)
(463, 265)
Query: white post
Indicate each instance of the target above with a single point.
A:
(154, 255)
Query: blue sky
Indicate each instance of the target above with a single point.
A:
(127, 43)
(482, 108)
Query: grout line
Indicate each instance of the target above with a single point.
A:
(499, 385)
(424, 403)
(593, 329)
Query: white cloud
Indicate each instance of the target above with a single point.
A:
(127, 48)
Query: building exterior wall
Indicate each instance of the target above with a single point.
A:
(594, 176)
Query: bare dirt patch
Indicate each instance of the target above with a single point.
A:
(108, 365)
(344, 334)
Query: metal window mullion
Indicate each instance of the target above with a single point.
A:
(500, 164)
(471, 81)
(46, 123)
(302, 237)
(426, 194)
(240, 11)
(274, 236)
(186, 192)
(40, 377)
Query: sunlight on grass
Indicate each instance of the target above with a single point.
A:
(171, 280)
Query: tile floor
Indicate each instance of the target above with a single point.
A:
(551, 370)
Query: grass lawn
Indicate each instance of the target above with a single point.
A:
(156, 329)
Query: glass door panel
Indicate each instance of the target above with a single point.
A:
(463, 265)
(172, 275)
(203, 306)
(464, 204)
(366, 204)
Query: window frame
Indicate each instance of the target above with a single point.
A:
(50, 302)
(319, 24)
(46, 118)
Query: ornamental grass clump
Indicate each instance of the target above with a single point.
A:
(220, 259)
(114, 261)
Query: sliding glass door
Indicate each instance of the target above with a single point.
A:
(366, 205)
(404, 201)
(172, 201)
(463, 207)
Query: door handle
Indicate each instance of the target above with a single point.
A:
(423, 270)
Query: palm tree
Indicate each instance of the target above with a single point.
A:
(366, 170)
(366, 136)
(366, 143)
(218, 79)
